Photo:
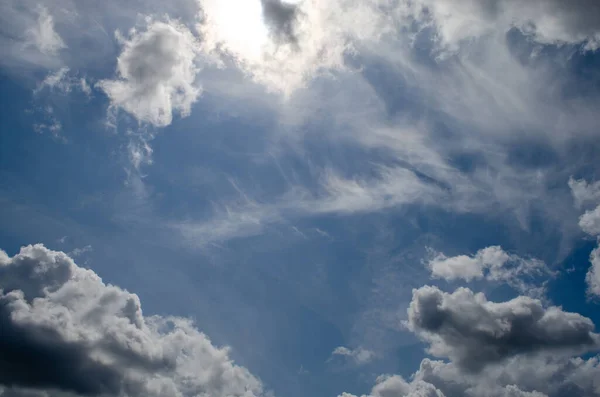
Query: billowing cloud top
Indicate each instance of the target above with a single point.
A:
(473, 332)
(65, 332)
(156, 73)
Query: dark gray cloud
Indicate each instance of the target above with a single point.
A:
(474, 332)
(38, 357)
(281, 18)
(65, 332)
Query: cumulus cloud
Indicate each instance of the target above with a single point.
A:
(396, 386)
(473, 332)
(156, 73)
(584, 193)
(388, 386)
(592, 278)
(358, 356)
(590, 222)
(67, 332)
(516, 348)
(43, 36)
(493, 264)
(533, 376)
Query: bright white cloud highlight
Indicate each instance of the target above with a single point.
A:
(590, 222)
(156, 73)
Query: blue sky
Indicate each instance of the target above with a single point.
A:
(355, 197)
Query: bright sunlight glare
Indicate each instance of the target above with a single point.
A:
(239, 25)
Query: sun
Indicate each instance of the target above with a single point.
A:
(239, 26)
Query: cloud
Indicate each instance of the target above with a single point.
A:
(280, 17)
(388, 386)
(583, 192)
(43, 36)
(156, 73)
(590, 222)
(359, 356)
(396, 386)
(533, 376)
(64, 82)
(60, 82)
(592, 278)
(391, 187)
(516, 348)
(474, 332)
(66, 331)
(547, 21)
(80, 251)
(493, 264)
(284, 46)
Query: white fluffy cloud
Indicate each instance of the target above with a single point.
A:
(156, 73)
(592, 277)
(493, 264)
(517, 348)
(589, 222)
(541, 376)
(474, 332)
(396, 386)
(67, 332)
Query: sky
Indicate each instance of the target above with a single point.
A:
(277, 198)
